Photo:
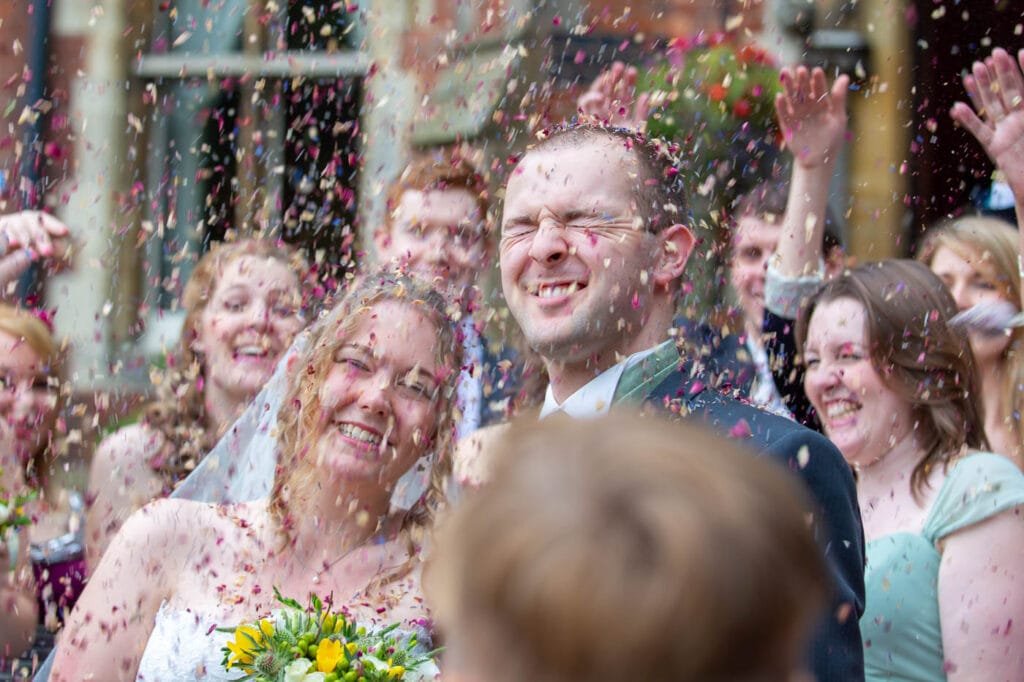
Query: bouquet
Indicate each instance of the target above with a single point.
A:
(12, 510)
(315, 644)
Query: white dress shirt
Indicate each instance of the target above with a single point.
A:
(594, 398)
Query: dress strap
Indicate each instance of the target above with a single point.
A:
(977, 487)
(12, 538)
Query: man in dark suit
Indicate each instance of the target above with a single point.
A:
(592, 251)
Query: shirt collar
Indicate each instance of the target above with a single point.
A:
(594, 398)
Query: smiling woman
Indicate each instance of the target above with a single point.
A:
(976, 258)
(371, 395)
(897, 390)
(243, 308)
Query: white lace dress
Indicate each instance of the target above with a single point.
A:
(184, 645)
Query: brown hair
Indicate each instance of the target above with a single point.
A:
(770, 197)
(299, 422)
(443, 170)
(918, 354)
(993, 241)
(179, 412)
(661, 192)
(28, 327)
(628, 549)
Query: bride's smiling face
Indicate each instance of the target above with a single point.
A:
(380, 398)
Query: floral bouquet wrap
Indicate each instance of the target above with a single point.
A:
(315, 644)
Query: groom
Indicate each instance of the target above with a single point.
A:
(592, 250)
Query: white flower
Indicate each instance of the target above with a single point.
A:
(296, 671)
(427, 672)
(5, 512)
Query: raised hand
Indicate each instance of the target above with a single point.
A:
(27, 237)
(996, 87)
(612, 99)
(812, 116)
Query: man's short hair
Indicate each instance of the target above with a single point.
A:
(440, 170)
(769, 197)
(661, 192)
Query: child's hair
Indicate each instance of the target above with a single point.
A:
(627, 549)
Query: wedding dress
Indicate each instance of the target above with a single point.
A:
(184, 645)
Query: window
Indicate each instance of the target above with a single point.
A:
(252, 113)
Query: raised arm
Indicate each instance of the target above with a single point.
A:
(813, 121)
(612, 99)
(121, 481)
(996, 87)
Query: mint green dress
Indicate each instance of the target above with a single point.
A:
(901, 628)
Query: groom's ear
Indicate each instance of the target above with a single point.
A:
(675, 244)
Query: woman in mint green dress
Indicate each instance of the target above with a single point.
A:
(896, 388)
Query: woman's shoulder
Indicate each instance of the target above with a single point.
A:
(130, 445)
(977, 487)
(167, 523)
(985, 472)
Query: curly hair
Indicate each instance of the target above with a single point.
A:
(179, 413)
(299, 423)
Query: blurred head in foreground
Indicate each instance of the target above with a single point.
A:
(627, 548)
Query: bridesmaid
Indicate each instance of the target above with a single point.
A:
(242, 310)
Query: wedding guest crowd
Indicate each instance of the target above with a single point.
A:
(835, 494)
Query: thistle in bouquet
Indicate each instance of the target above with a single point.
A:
(317, 644)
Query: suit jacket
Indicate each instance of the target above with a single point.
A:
(501, 376)
(779, 336)
(837, 652)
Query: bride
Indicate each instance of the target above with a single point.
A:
(370, 396)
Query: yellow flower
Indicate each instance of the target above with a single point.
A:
(248, 642)
(396, 671)
(351, 646)
(328, 654)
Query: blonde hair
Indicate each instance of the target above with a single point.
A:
(179, 412)
(995, 242)
(28, 327)
(299, 423)
(628, 548)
